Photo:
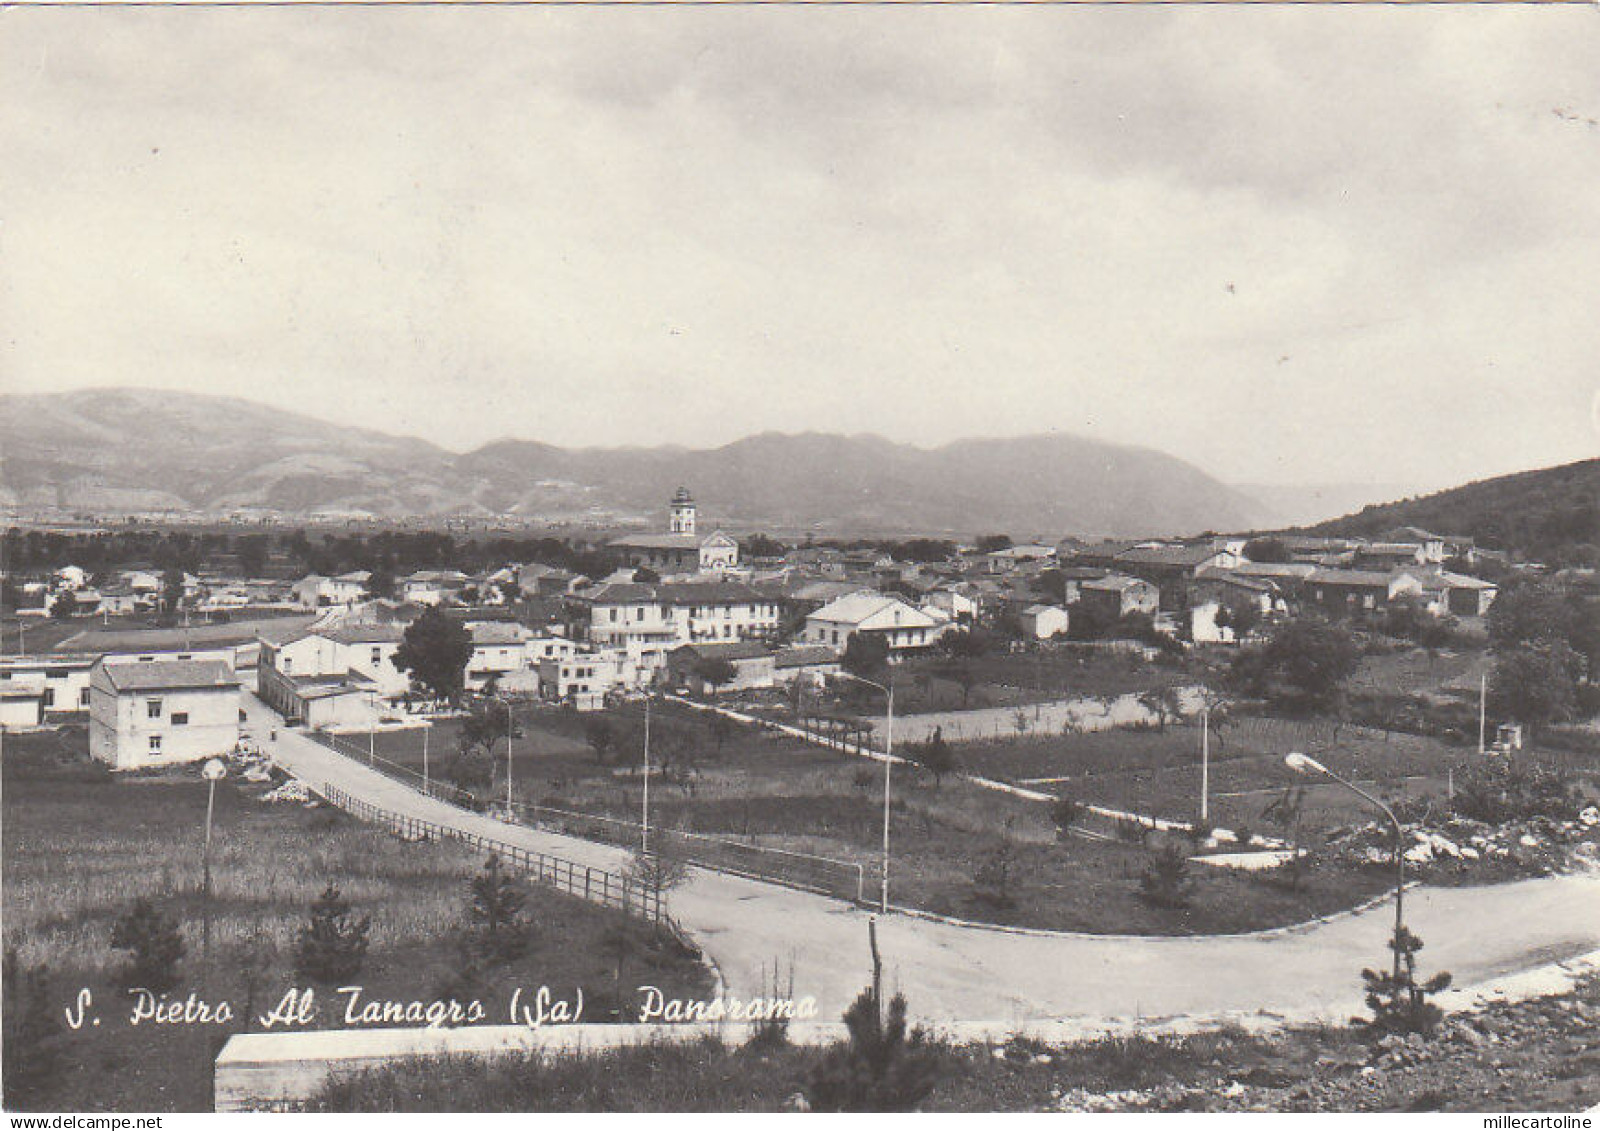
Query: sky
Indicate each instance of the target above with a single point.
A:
(1292, 245)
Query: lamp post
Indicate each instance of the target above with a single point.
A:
(888, 764)
(510, 726)
(1205, 763)
(213, 771)
(1304, 764)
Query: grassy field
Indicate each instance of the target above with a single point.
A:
(81, 844)
(949, 840)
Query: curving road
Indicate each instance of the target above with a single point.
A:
(1007, 981)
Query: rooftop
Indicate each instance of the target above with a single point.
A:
(170, 675)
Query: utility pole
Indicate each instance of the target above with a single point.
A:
(426, 727)
(1205, 763)
(510, 726)
(644, 825)
(1483, 710)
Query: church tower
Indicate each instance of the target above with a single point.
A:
(683, 511)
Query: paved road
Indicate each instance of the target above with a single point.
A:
(951, 973)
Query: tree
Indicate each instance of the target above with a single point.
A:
(1535, 683)
(65, 606)
(172, 591)
(762, 546)
(488, 722)
(1306, 661)
(495, 911)
(252, 550)
(664, 867)
(993, 875)
(32, 1040)
(333, 944)
(154, 946)
(644, 575)
(381, 584)
(721, 729)
(600, 738)
(1399, 1003)
(435, 650)
(715, 671)
(471, 771)
(1266, 550)
(1165, 703)
(990, 543)
(936, 756)
(882, 1066)
(866, 654)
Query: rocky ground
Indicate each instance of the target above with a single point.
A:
(1541, 1055)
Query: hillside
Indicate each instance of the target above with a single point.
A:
(107, 451)
(1550, 515)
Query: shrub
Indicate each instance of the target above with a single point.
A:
(495, 912)
(1165, 879)
(1504, 789)
(333, 945)
(1399, 1003)
(154, 946)
(1066, 812)
(880, 1067)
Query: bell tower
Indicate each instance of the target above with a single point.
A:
(683, 512)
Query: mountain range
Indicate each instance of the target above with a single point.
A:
(130, 450)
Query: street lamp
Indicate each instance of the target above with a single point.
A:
(888, 763)
(644, 826)
(213, 771)
(1304, 764)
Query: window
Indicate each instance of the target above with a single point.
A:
(180, 718)
(152, 708)
(639, 615)
(155, 744)
(377, 656)
(83, 697)
(49, 699)
(613, 616)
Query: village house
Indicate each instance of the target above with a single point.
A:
(61, 683)
(1172, 569)
(21, 707)
(335, 678)
(162, 712)
(583, 680)
(905, 629)
(649, 620)
(1350, 590)
(681, 550)
(315, 591)
(1117, 595)
(752, 665)
(433, 586)
(499, 649)
(1043, 622)
(808, 664)
(1457, 594)
(537, 580)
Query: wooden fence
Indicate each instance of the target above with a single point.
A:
(596, 885)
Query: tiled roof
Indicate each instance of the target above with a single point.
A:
(233, 633)
(1370, 579)
(170, 675)
(367, 634)
(707, 593)
(1113, 583)
(806, 657)
(733, 650)
(498, 632)
(1167, 555)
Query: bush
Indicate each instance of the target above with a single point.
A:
(495, 913)
(1165, 879)
(881, 1067)
(1066, 812)
(1399, 1003)
(1497, 790)
(333, 945)
(154, 946)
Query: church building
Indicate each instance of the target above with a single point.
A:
(682, 549)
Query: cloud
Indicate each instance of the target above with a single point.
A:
(1313, 244)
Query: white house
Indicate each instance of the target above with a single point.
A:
(499, 648)
(904, 628)
(60, 682)
(1044, 622)
(162, 712)
(315, 591)
(433, 586)
(335, 678)
(583, 680)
